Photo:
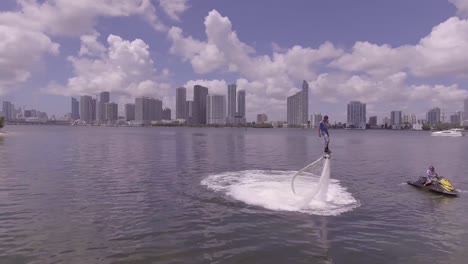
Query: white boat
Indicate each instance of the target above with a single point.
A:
(455, 132)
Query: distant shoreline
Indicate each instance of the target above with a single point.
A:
(195, 126)
(260, 126)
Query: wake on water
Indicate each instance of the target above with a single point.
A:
(313, 190)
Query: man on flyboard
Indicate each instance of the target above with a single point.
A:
(323, 131)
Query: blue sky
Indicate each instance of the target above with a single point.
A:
(393, 55)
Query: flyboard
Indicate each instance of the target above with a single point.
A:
(319, 193)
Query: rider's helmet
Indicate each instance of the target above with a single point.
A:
(431, 168)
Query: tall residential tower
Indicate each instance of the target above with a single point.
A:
(356, 115)
(215, 109)
(181, 103)
(231, 104)
(298, 107)
(199, 104)
(75, 109)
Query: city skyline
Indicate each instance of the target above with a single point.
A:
(90, 112)
(214, 44)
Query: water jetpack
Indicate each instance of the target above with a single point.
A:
(440, 185)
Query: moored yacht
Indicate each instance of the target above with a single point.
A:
(455, 132)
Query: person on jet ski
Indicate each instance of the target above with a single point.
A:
(431, 175)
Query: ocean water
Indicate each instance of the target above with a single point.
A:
(223, 195)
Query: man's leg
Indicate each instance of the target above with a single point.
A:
(327, 141)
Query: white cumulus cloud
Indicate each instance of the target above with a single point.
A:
(27, 33)
(124, 68)
(462, 7)
(174, 8)
(263, 76)
(74, 18)
(20, 51)
(377, 74)
(441, 53)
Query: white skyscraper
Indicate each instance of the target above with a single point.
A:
(298, 107)
(87, 109)
(305, 102)
(315, 120)
(433, 116)
(8, 111)
(147, 110)
(101, 108)
(231, 103)
(356, 115)
(215, 109)
(112, 112)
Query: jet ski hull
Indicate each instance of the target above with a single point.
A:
(434, 187)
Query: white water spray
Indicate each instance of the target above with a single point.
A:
(271, 190)
(321, 190)
(319, 193)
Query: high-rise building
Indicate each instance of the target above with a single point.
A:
(181, 99)
(305, 102)
(293, 109)
(199, 104)
(189, 112)
(262, 118)
(104, 97)
(465, 109)
(101, 108)
(297, 107)
(147, 110)
(232, 88)
(373, 121)
(18, 113)
(112, 112)
(433, 116)
(86, 109)
(158, 110)
(8, 111)
(75, 109)
(455, 119)
(241, 104)
(141, 110)
(410, 119)
(93, 109)
(315, 120)
(215, 109)
(395, 119)
(356, 115)
(166, 114)
(27, 113)
(129, 112)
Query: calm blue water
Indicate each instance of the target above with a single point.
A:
(182, 195)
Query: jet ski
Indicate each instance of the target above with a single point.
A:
(441, 185)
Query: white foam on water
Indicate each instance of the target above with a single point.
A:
(320, 191)
(272, 190)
